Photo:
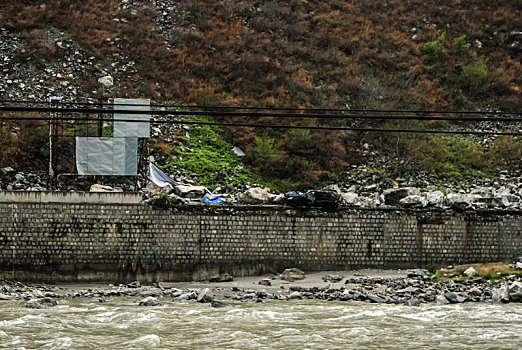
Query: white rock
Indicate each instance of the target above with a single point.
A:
(106, 81)
(414, 201)
(470, 272)
(189, 191)
(238, 151)
(255, 195)
(350, 198)
(434, 198)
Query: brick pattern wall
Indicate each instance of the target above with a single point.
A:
(87, 241)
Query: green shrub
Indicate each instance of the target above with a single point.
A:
(460, 44)
(435, 48)
(473, 77)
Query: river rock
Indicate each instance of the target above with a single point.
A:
(441, 300)
(515, 291)
(217, 303)
(332, 278)
(470, 272)
(41, 303)
(419, 274)
(224, 277)
(392, 196)
(265, 282)
(292, 274)
(452, 297)
(150, 301)
(376, 299)
(518, 265)
(134, 284)
(205, 296)
(295, 295)
(501, 294)
(255, 195)
(413, 302)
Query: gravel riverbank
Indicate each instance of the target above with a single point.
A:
(410, 288)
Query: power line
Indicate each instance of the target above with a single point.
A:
(255, 114)
(275, 126)
(348, 110)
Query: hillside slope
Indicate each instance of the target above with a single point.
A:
(357, 54)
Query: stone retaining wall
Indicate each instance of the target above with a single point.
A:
(110, 242)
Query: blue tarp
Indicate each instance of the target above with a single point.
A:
(213, 200)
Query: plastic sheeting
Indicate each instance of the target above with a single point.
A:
(130, 129)
(159, 177)
(106, 156)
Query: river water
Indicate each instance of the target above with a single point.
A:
(121, 324)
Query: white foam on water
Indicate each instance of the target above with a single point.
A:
(146, 341)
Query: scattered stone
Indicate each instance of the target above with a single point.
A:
(332, 278)
(392, 196)
(150, 301)
(515, 291)
(292, 274)
(351, 199)
(189, 191)
(441, 300)
(217, 303)
(255, 195)
(295, 295)
(265, 282)
(470, 272)
(413, 302)
(107, 81)
(205, 296)
(435, 198)
(224, 277)
(238, 151)
(135, 284)
(376, 299)
(452, 297)
(422, 274)
(413, 201)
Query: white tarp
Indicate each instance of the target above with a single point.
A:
(106, 156)
(159, 177)
(131, 129)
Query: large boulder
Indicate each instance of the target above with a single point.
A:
(413, 201)
(461, 201)
(435, 198)
(392, 196)
(150, 301)
(351, 199)
(292, 274)
(189, 191)
(515, 291)
(470, 272)
(205, 296)
(255, 195)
